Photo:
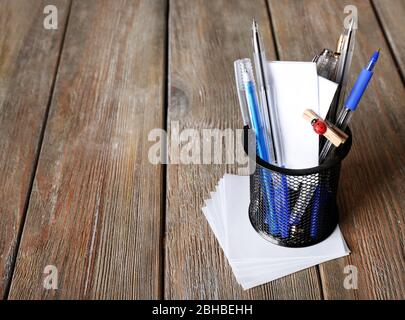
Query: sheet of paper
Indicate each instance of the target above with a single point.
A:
(245, 243)
(235, 182)
(294, 88)
(217, 214)
(210, 212)
(326, 92)
(264, 272)
(228, 204)
(279, 274)
(224, 210)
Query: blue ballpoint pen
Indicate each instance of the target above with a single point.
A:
(314, 226)
(248, 100)
(352, 101)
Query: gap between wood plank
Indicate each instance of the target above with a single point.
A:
(39, 149)
(273, 32)
(386, 38)
(163, 206)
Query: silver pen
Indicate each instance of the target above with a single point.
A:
(268, 113)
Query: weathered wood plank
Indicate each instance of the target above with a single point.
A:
(371, 195)
(28, 60)
(205, 38)
(96, 200)
(392, 16)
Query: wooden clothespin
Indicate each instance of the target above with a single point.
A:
(325, 128)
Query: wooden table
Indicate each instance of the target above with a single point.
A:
(77, 105)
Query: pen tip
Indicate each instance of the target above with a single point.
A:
(379, 50)
(254, 25)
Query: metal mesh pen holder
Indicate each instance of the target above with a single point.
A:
(296, 208)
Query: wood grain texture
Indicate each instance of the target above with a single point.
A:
(371, 198)
(205, 38)
(28, 61)
(95, 207)
(392, 16)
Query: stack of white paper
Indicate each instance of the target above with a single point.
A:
(254, 260)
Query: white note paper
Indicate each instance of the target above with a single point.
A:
(294, 88)
(254, 260)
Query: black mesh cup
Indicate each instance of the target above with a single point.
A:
(295, 208)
